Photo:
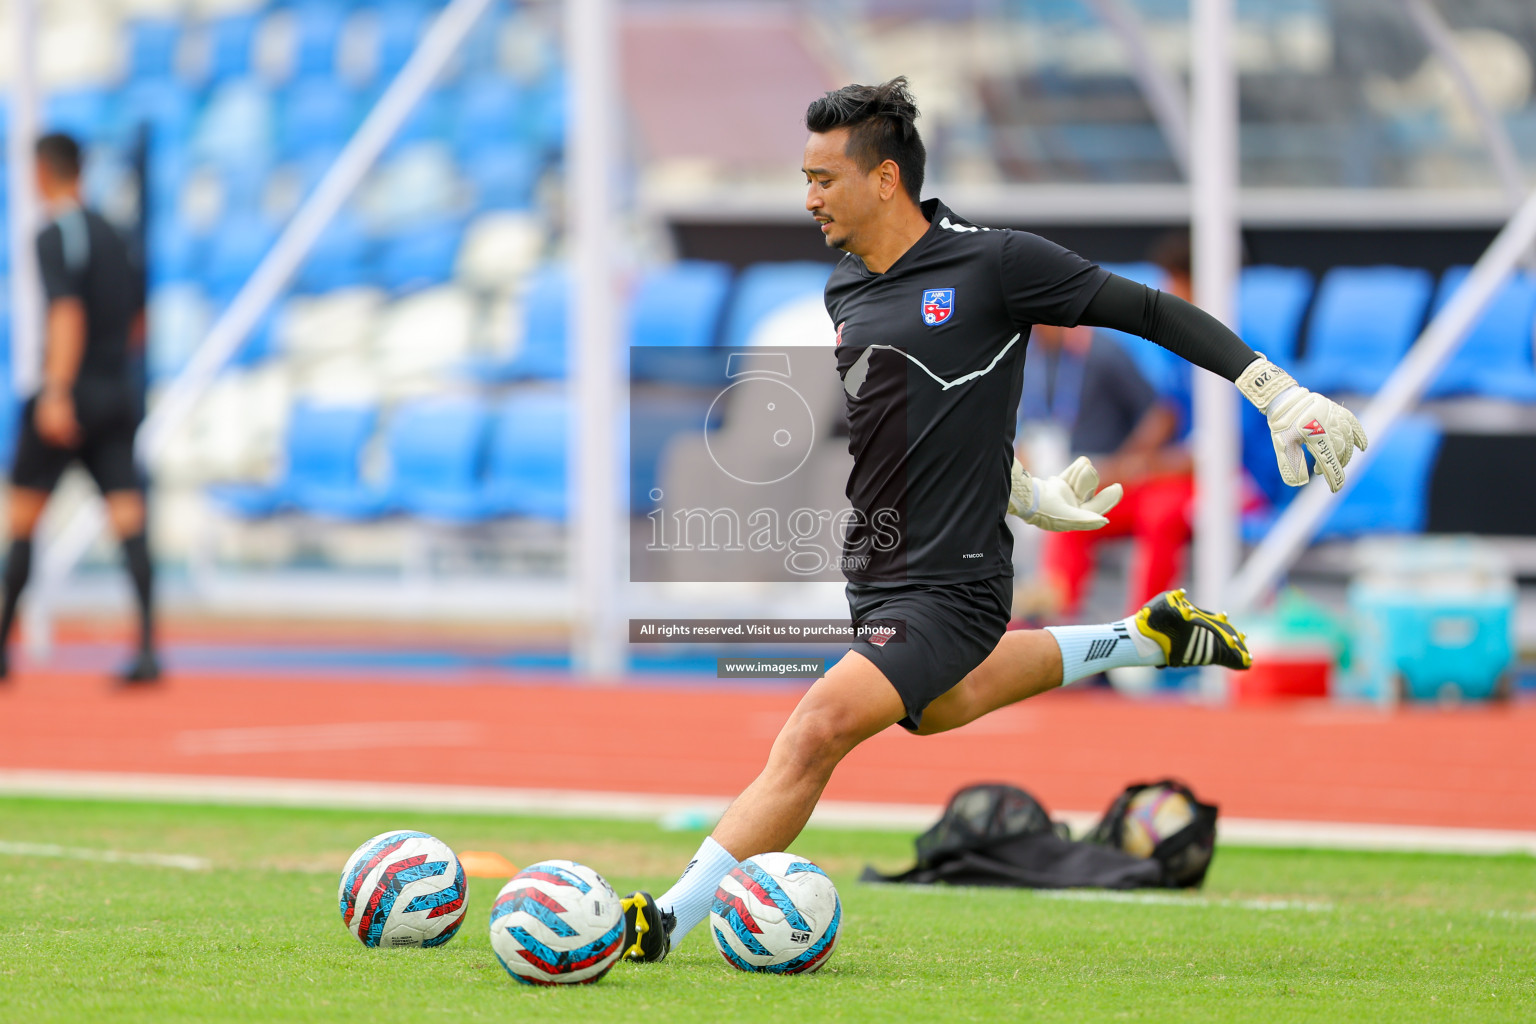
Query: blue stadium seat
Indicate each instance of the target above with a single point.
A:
(401, 24)
(546, 316)
(654, 420)
(548, 112)
(438, 449)
(679, 307)
(152, 46)
(235, 128)
(165, 105)
(489, 110)
(429, 121)
(339, 258)
(316, 113)
(1364, 320)
(504, 176)
(174, 252)
(232, 40)
(1392, 495)
(86, 114)
(317, 28)
(1271, 304)
(420, 257)
(234, 252)
(526, 471)
(1495, 359)
(324, 449)
(765, 287)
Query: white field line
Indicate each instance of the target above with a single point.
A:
(270, 739)
(159, 860)
(215, 789)
(1166, 899)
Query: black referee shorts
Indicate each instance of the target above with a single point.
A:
(950, 629)
(108, 422)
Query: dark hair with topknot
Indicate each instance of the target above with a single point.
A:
(60, 154)
(882, 125)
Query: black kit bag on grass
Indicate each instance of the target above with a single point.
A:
(997, 834)
(1165, 822)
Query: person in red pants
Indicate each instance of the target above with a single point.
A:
(1134, 431)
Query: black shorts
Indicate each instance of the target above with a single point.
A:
(108, 421)
(950, 628)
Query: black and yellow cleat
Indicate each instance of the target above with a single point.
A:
(647, 929)
(1190, 635)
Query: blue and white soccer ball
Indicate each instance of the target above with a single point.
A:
(557, 923)
(403, 889)
(776, 913)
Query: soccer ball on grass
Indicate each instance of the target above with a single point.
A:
(776, 913)
(402, 889)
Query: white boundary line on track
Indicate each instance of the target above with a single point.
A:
(688, 811)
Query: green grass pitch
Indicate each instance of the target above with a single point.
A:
(1275, 936)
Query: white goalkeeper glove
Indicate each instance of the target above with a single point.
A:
(1299, 422)
(1065, 502)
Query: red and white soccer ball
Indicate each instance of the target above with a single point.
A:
(776, 913)
(557, 923)
(403, 889)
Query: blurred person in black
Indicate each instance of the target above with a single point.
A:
(89, 402)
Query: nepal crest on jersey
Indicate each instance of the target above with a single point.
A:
(938, 305)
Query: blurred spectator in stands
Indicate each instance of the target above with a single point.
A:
(1133, 433)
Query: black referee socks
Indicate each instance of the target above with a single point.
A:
(18, 566)
(136, 552)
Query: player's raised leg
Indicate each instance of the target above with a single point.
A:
(851, 703)
(1168, 631)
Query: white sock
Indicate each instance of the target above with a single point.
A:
(1087, 650)
(691, 898)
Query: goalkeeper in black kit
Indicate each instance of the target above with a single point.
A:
(933, 316)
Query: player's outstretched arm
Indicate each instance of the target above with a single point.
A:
(1298, 419)
(1071, 501)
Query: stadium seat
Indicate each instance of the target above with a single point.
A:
(234, 252)
(504, 176)
(499, 248)
(401, 24)
(339, 258)
(1271, 304)
(763, 288)
(316, 113)
(675, 308)
(489, 110)
(231, 45)
(317, 30)
(540, 355)
(424, 338)
(165, 107)
(414, 185)
(1495, 360)
(1363, 322)
(323, 450)
(323, 326)
(654, 420)
(174, 252)
(236, 126)
(178, 320)
(525, 475)
(1392, 495)
(86, 114)
(152, 46)
(420, 257)
(437, 449)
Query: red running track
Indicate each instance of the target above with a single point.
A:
(1468, 767)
